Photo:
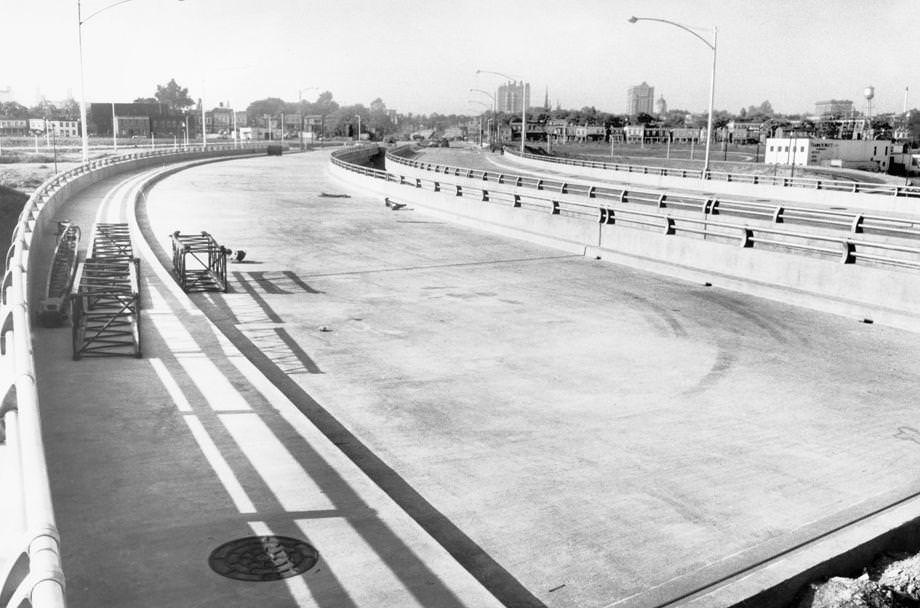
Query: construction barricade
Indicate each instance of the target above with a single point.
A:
(105, 298)
(199, 263)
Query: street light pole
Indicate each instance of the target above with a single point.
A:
(523, 103)
(80, 22)
(492, 97)
(712, 81)
(485, 105)
(84, 136)
(358, 135)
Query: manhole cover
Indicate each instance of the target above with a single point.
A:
(263, 558)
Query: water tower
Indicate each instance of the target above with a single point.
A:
(869, 93)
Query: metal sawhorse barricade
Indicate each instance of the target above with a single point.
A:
(53, 307)
(199, 263)
(105, 297)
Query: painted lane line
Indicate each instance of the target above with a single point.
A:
(293, 487)
(172, 387)
(296, 585)
(219, 464)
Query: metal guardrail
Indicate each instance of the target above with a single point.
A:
(881, 225)
(607, 205)
(30, 554)
(742, 178)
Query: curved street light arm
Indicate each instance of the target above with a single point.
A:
(683, 27)
(712, 81)
(484, 92)
(489, 72)
(103, 9)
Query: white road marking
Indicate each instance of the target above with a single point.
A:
(295, 584)
(172, 387)
(285, 477)
(224, 473)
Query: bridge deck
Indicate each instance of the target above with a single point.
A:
(574, 432)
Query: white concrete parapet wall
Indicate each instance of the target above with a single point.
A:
(30, 553)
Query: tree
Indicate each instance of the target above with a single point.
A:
(273, 106)
(378, 120)
(146, 100)
(173, 95)
(12, 109)
(881, 127)
(70, 109)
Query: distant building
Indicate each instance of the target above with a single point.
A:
(586, 133)
(11, 127)
(662, 105)
(640, 99)
(872, 155)
(645, 134)
(831, 107)
(739, 132)
(129, 120)
(512, 96)
(219, 121)
(560, 130)
(64, 128)
(132, 126)
(686, 135)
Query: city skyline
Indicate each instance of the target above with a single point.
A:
(585, 52)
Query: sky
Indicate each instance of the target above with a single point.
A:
(421, 56)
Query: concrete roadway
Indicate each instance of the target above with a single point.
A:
(573, 432)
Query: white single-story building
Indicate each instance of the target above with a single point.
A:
(867, 154)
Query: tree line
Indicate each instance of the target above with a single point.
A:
(377, 119)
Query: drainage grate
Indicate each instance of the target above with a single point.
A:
(263, 558)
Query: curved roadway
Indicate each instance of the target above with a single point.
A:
(574, 433)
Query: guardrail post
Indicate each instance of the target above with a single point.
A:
(856, 226)
(459, 190)
(591, 192)
(668, 224)
(778, 215)
(485, 196)
(555, 208)
(517, 200)
(747, 237)
(848, 249)
(418, 182)
(437, 186)
(661, 201)
(602, 215)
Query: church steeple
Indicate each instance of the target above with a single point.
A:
(546, 105)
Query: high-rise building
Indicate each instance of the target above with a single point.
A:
(511, 96)
(640, 99)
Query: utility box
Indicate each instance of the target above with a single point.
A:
(274, 150)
